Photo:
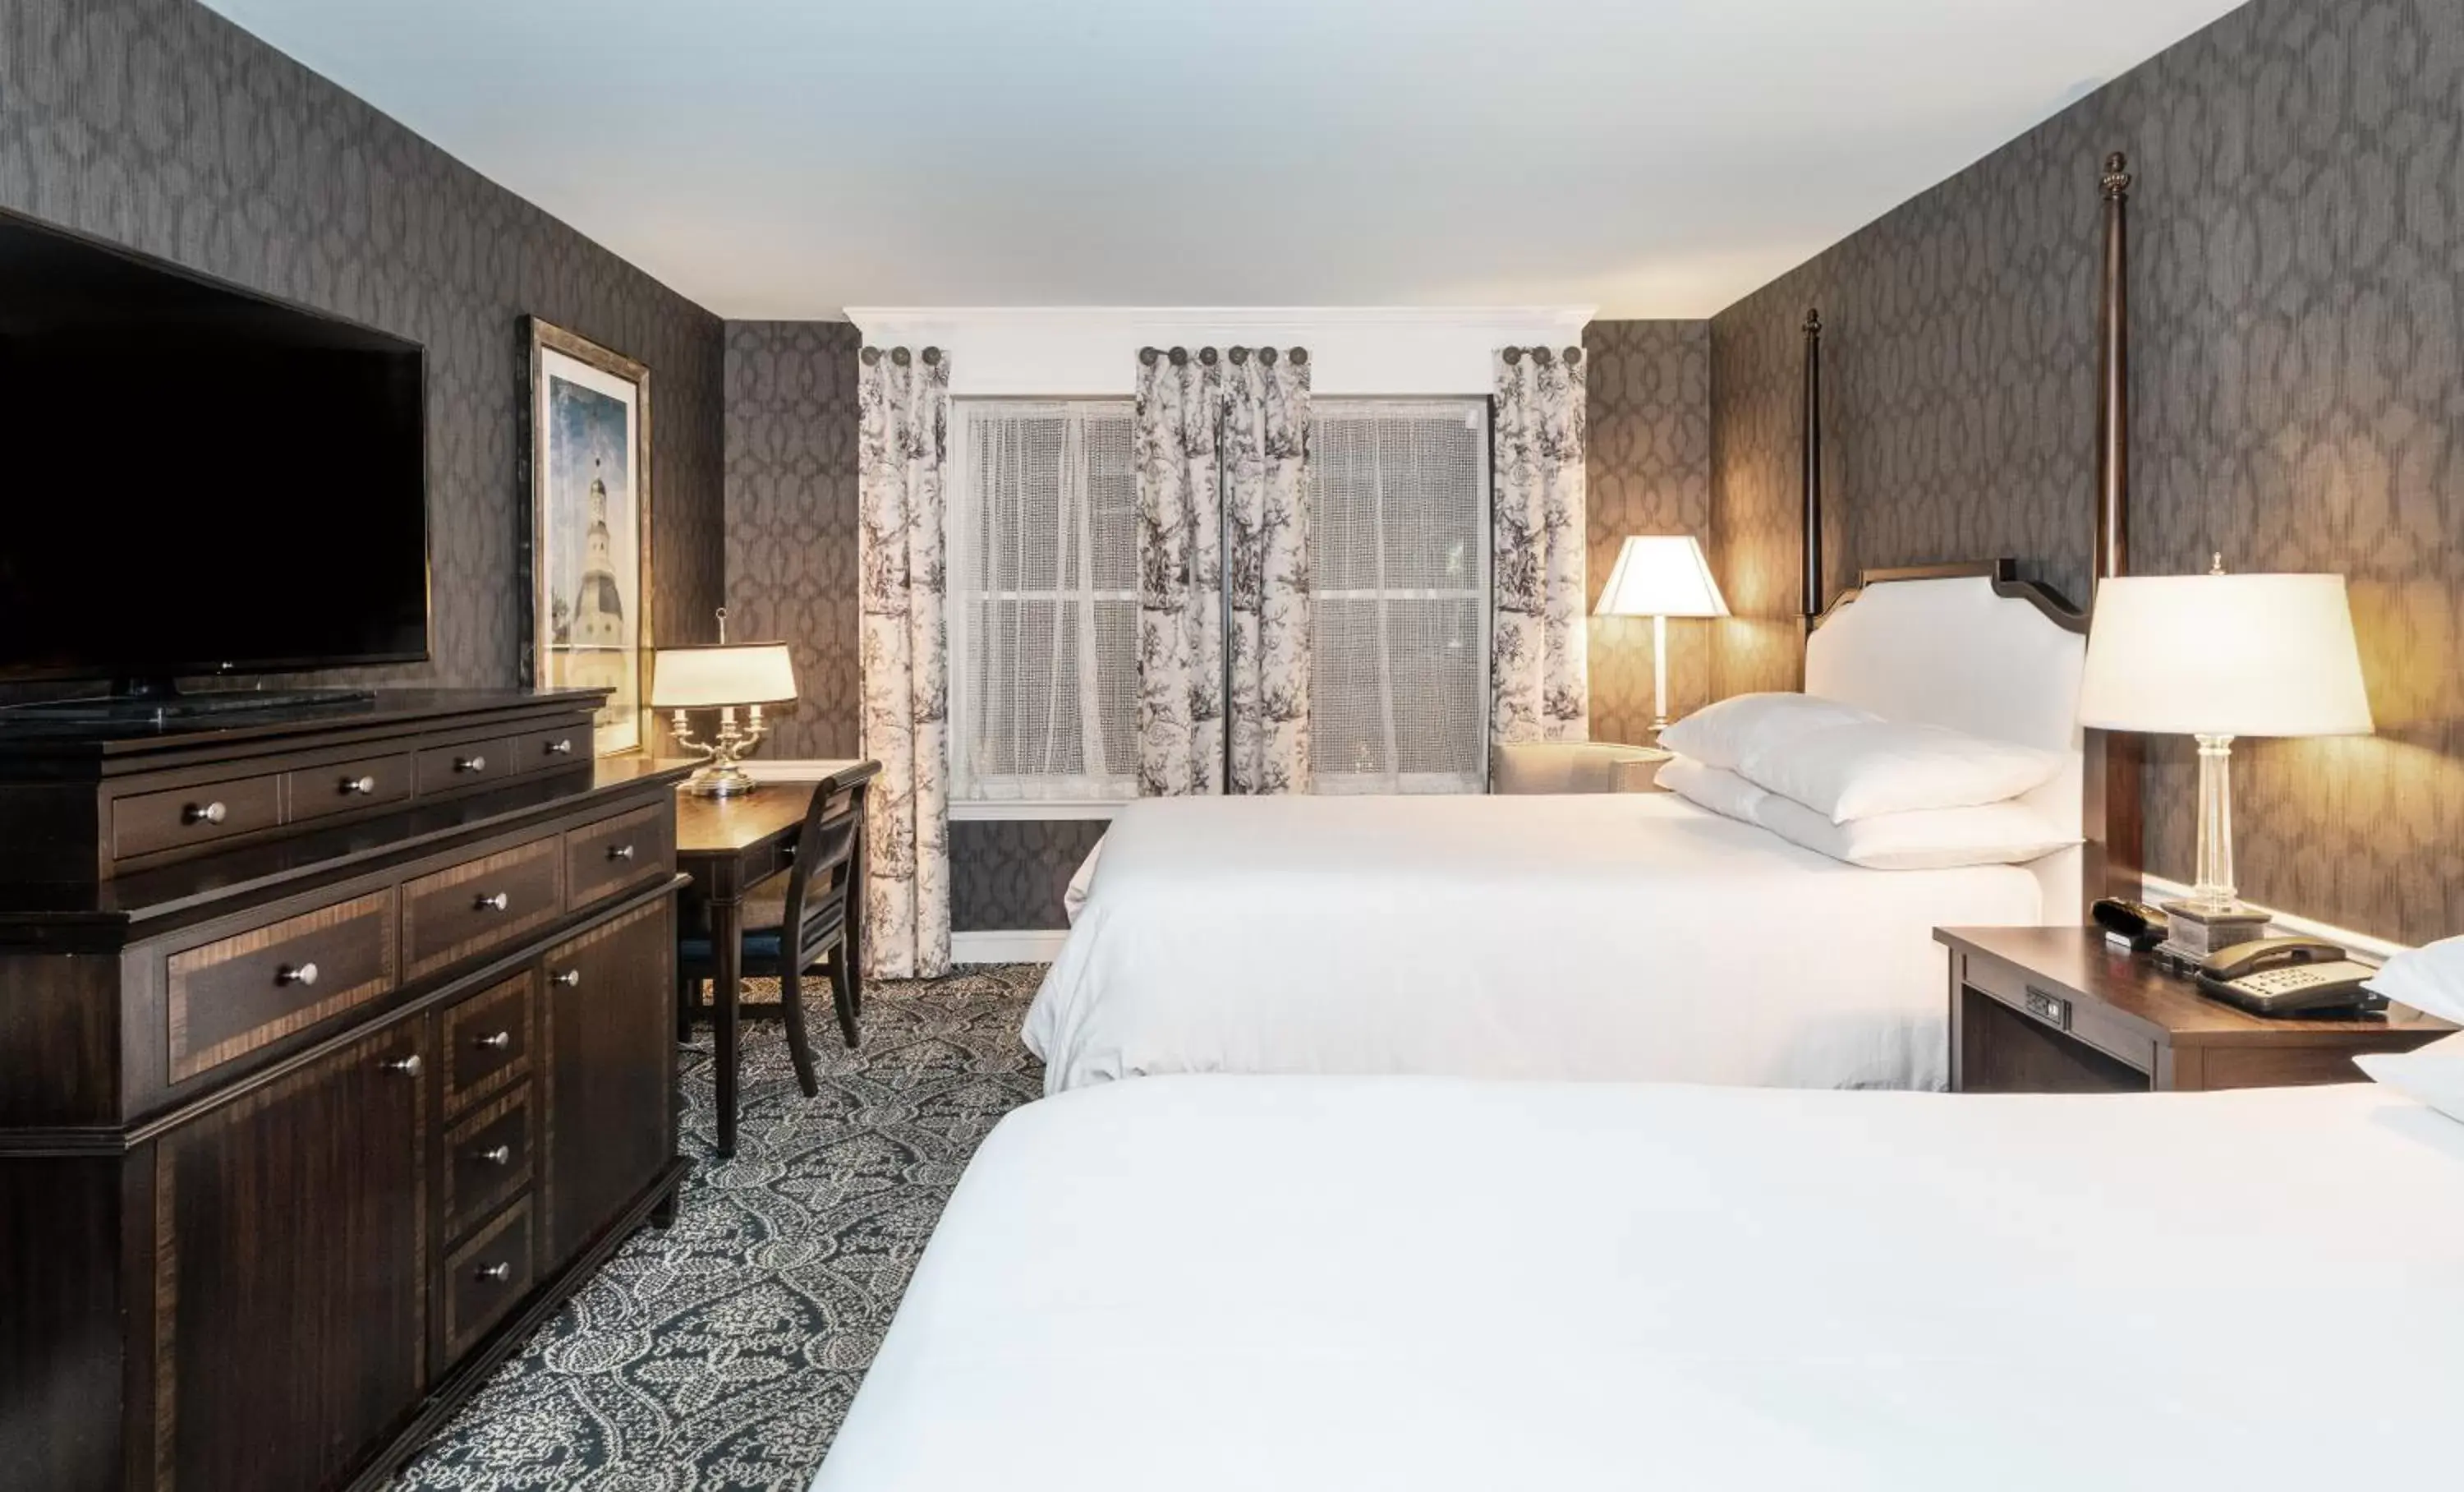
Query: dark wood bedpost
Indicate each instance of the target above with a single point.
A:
(1812, 476)
(2112, 806)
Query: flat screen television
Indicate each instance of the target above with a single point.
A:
(199, 480)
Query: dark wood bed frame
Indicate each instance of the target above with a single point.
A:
(2110, 779)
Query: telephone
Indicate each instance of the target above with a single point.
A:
(2290, 976)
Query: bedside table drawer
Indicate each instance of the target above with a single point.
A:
(2057, 1009)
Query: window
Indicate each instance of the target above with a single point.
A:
(1043, 597)
(1398, 693)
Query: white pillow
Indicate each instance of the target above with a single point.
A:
(1865, 767)
(1720, 734)
(1715, 787)
(2429, 978)
(2433, 1074)
(1927, 839)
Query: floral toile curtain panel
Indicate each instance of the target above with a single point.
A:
(1539, 686)
(902, 436)
(1224, 516)
(1180, 574)
(1264, 452)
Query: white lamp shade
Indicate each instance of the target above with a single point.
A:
(692, 679)
(1661, 575)
(2224, 655)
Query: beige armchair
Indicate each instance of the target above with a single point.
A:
(1574, 767)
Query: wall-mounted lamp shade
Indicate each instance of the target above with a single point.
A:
(1661, 575)
(694, 679)
(2224, 655)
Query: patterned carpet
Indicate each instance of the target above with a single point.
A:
(722, 1353)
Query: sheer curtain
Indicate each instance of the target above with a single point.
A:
(1399, 684)
(1044, 590)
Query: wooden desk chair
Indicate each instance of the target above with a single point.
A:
(794, 922)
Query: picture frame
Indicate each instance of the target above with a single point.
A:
(585, 561)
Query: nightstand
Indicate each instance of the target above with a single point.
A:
(2060, 1009)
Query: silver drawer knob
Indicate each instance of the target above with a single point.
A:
(204, 813)
(358, 787)
(570, 979)
(496, 1273)
(300, 974)
(407, 1066)
(490, 904)
(501, 1156)
(470, 763)
(560, 746)
(619, 852)
(493, 1041)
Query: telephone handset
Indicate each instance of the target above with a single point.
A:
(2290, 976)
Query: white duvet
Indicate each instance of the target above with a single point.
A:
(1352, 1283)
(1616, 936)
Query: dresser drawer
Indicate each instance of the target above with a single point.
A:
(227, 998)
(148, 822)
(543, 750)
(448, 767)
(314, 791)
(463, 910)
(488, 1040)
(486, 1277)
(487, 1158)
(605, 858)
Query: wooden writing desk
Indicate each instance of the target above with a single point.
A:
(728, 846)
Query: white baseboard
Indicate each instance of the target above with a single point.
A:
(1006, 948)
(2375, 950)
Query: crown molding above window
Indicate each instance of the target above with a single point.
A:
(1046, 351)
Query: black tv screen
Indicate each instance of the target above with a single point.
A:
(199, 480)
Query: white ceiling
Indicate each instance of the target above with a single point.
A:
(789, 158)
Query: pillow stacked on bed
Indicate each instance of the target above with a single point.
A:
(1845, 782)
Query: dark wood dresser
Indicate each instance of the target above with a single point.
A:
(334, 1052)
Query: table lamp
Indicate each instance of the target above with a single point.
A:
(726, 677)
(1661, 576)
(2216, 656)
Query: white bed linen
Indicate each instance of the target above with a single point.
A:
(1349, 1283)
(1629, 936)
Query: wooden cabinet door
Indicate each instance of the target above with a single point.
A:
(292, 1277)
(611, 1073)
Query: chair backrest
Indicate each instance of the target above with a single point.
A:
(823, 874)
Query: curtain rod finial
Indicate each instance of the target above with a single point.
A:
(2116, 178)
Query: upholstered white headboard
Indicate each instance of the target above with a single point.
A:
(1978, 652)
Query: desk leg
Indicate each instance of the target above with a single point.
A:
(727, 944)
(853, 951)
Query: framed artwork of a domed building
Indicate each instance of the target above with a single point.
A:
(587, 450)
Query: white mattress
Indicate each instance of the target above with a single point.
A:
(1629, 936)
(1348, 1283)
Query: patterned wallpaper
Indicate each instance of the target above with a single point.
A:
(1649, 389)
(160, 125)
(2298, 383)
(1011, 876)
(791, 495)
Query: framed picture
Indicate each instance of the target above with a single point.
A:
(586, 450)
